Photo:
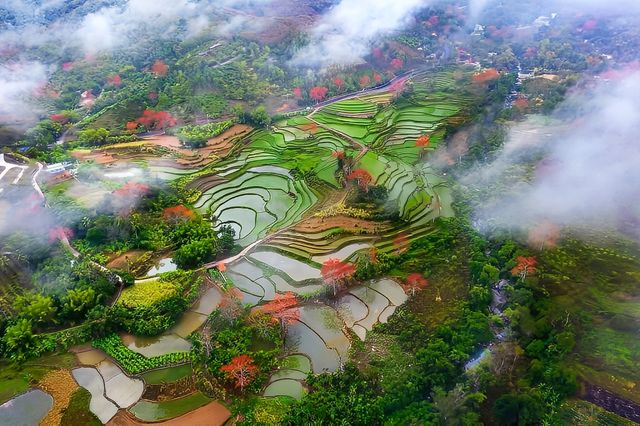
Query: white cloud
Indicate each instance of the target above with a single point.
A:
(590, 174)
(345, 33)
(18, 82)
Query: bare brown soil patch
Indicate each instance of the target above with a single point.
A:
(61, 386)
(123, 261)
(350, 224)
(212, 414)
(99, 157)
(170, 142)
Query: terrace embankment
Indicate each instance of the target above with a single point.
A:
(213, 414)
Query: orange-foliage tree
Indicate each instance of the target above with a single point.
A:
(362, 177)
(401, 242)
(284, 308)
(334, 272)
(373, 255)
(177, 213)
(230, 307)
(131, 126)
(241, 370)
(526, 265)
(365, 80)
(486, 75)
(521, 103)
(423, 141)
(415, 282)
(159, 68)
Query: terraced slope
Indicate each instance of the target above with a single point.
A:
(277, 180)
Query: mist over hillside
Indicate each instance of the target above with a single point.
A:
(296, 212)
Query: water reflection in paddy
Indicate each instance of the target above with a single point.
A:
(27, 409)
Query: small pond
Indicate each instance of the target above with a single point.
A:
(149, 411)
(27, 409)
(163, 265)
(156, 346)
(167, 375)
(288, 387)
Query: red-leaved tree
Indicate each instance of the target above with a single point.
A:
(335, 272)
(159, 68)
(59, 118)
(241, 370)
(397, 87)
(365, 80)
(60, 233)
(114, 80)
(283, 308)
(525, 266)
(396, 63)
(152, 119)
(362, 177)
(415, 282)
(230, 308)
(338, 82)
(297, 92)
(423, 143)
(318, 93)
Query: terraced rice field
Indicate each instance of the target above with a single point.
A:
(257, 202)
(149, 411)
(275, 180)
(29, 408)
